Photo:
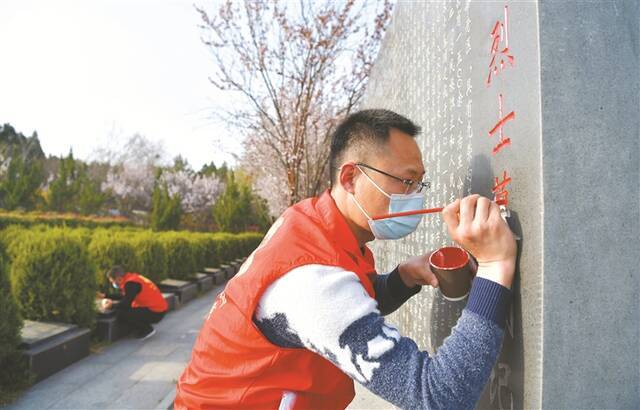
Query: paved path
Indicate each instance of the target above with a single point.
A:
(134, 374)
(128, 374)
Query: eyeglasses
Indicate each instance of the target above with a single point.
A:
(409, 183)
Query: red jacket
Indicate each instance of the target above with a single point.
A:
(232, 364)
(149, 296)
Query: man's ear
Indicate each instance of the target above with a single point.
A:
(346, 177)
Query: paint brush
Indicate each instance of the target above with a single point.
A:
(421, 211)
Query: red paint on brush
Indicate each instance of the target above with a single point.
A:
(420, 211)
(449, 258)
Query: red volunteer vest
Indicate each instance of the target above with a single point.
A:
(149, 297)
(233, 365)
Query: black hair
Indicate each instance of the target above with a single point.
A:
(366, 127)
(115, 271)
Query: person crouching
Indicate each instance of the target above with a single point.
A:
(141, 303)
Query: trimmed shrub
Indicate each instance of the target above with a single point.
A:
(211, 256)
(249, 242)
(199, 245)
(14, 375)
(225, 246)
(107, 249)
(12, 236)
(181, 263)
(28, 219)
(52, 278)
(151, 257)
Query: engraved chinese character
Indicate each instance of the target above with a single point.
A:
(498, 127)
(499, 54)
(500, 189)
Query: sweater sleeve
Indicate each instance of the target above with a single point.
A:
(342, 323)
(131, 290)
(391, 292)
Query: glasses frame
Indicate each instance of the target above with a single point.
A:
(408, 182)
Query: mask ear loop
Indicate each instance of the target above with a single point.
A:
(358, 205)
(373, 182)
(354, 198)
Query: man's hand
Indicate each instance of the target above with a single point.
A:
(475, 223)
(416, 271)
(107, 304)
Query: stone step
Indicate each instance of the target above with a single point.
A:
(185, 291)
(49, 347)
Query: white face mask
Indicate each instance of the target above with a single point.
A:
(399, 226)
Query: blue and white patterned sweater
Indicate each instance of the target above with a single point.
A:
(327, 310)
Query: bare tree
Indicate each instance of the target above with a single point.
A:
(299, 67)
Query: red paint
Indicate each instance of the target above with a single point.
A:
(499, 33)
(500, 189)
(503, 142)
(449, 258)
(406, 213)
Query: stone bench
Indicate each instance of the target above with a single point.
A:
(172, 300)
(184, 291)
(109, 328)
(228, 270)
(205, 282)
(50, 347)
(218, 275)
(238, 264)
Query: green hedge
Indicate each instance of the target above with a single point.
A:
(181, 255)
(14, 374)
(107, 249)
(28, 219)
(55, 272)
(52, 277)
(151, 257)
(249, 242)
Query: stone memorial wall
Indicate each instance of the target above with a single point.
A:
(514, 99)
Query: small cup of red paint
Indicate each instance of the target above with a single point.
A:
(455, 269)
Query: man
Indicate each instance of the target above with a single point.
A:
(140, 301)
(304, 316)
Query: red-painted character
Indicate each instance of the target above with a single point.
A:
(504, 141)
(500, 189)
(500, 55)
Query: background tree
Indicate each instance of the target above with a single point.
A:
(239, 208)
(20, 185)
(165, 209)
(298, 67)
(131, 178)
(72, 189)
(63, 189)
(21, 169)
(89, 197)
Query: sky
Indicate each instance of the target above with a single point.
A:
(88, 74)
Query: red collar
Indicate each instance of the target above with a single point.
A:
(336, 224)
